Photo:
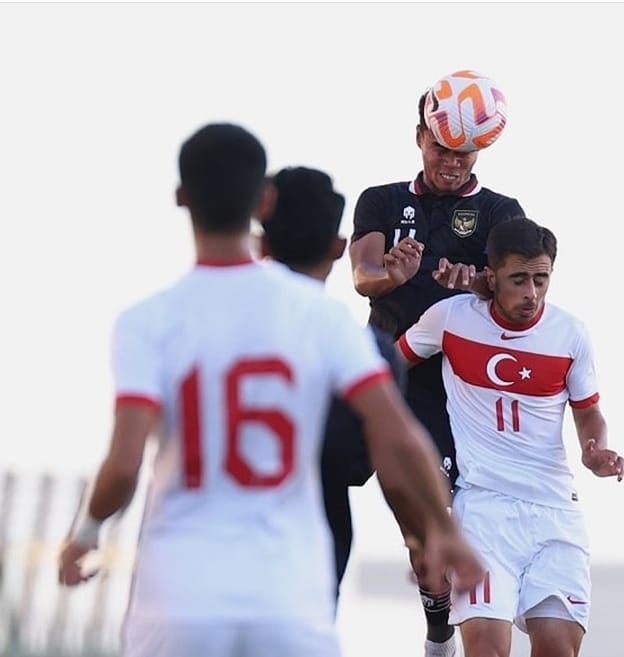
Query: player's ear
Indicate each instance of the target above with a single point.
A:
(419, 132)
(340, 244)
(490, 278)
(181, 200)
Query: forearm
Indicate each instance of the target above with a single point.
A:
(113, 490)
(591, 426)
(599, 434)
(118, 475)
(372, 281)
(413, 487)
(405, 459)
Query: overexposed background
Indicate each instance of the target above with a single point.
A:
(97, 97)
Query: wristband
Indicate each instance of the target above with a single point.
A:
(86, 530)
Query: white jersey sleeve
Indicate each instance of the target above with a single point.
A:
(135, 358)
(424, 338)
(581, 379)
(352, 352)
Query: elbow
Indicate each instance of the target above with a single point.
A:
(359, 281)
(363, 282)
(362, 289)
(369, 287)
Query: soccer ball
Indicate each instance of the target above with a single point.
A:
(465, 111)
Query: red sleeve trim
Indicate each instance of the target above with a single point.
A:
(585, 403)
(406, 350)
(140, 400)
(364, 383)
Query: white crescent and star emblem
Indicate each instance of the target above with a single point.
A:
(490, 370)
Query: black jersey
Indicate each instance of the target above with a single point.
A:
(453, 226)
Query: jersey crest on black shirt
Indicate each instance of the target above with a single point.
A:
(464, 222)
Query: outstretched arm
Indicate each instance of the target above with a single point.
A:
(406, 462)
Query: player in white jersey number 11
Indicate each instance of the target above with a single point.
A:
(511, 365)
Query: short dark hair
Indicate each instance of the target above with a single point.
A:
(222, 168)
(305, 221)
(522, 237)
(421, 109)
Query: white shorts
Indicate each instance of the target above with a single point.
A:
(228, 638)
(536, 558)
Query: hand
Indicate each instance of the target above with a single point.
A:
(71, 561)
(457, 276)
(403, 260)
(602, 462)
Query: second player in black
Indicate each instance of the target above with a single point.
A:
(402, 231)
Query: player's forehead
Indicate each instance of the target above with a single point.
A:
(515, 264)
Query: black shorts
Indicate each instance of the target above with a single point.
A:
(426, 397)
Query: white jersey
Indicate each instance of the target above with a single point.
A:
(242, 361)
(507, 392)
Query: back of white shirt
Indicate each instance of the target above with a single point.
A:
(242, 360)
(507, 392)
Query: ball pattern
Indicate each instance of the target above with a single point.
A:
(466, 111)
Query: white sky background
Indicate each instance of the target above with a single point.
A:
(96, 99)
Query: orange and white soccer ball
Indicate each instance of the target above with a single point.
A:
(466, 111)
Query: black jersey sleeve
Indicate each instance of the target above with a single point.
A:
(368, 216)
(506, 208)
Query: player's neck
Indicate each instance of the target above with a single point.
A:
(223, 248)
(319, 272)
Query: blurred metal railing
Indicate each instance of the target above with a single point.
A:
(37, 616)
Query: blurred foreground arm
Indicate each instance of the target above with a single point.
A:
(114, 487)
(404, 457)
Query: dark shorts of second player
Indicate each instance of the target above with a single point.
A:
(426, 397)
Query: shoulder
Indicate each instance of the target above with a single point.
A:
(564, 318)
(377, 207)
(457, 301)
(284, 276)
(308, 297)
(566, 331)
(457, 305)
(147, 308)
(291, 286)
(488, 193)
(500, 203)
(384, 191)
(147, 316)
